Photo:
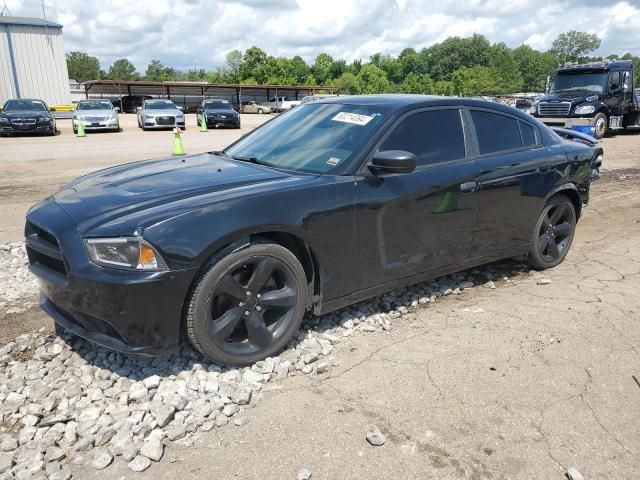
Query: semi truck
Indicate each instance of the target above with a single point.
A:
(600, 94)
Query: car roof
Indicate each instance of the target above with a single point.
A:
(403, 101)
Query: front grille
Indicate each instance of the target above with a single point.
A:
(23, 121)
(95, 119)
(43, 249)
(165, 120)
(554, 109)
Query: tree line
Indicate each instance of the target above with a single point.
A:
(457, 66)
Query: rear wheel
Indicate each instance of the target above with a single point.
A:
(553, 233)
(260, 111)
(246, 306)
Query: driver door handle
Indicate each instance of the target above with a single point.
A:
(468, 187)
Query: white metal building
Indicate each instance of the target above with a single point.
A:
(32, 61)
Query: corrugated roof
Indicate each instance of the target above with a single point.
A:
(28, 21)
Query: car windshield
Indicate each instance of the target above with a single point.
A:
(217, 105)
(589, 81)
(314, 138)
(24, 105)
(159, 105)
(95, 105)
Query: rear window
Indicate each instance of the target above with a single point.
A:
(496, 132)
(433, 136)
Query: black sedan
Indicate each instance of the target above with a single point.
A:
(217, 113)
(26, 116)
(326, 205)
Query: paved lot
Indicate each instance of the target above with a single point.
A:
(521, 381)
(33, 167)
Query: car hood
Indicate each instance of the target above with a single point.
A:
(163, 112)
(25, 113)
(102, 196)
(573, 97)
(101, 111)
(219, 111)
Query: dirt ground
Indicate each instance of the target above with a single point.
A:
(523, 381)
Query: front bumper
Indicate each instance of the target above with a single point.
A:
(222, 122)
(153, 124)
(107, 125)
(129, 311)
(31, 130)
(565, 122)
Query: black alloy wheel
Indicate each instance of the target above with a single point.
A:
(248, 305)
(554, 233)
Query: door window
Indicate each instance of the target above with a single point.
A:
(496, 132)
(614, 81)
(528, 135)
(433, 136)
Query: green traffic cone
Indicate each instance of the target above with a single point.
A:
(448, 204)
(178, 148)
(80, 129)
(203, 123)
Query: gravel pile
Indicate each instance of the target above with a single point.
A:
(63, 400)
(17, 286)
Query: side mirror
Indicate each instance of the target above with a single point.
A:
(393, 161)
(199, 110)
(138, 109)
(117, 109)
(51, 109)
(546, 85)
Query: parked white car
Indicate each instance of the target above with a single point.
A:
(280, 104)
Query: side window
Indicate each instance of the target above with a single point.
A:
(496, 132)
(614, 81)
(434, 136)
(528, 135)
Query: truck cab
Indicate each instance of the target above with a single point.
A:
(595, 94)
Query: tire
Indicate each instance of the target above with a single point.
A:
(260, 111)
(230, 324)
(553, 233)
(75, 131)
(601, 124)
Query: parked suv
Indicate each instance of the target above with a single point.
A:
(158, 113)
(26, 116)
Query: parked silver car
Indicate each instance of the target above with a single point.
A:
(159, 113)
(95, 115)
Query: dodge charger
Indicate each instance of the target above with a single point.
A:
(326, 205)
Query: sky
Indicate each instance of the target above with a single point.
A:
(198, 33)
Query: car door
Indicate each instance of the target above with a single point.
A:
(615, 97)
(517, 173)
(411, 223)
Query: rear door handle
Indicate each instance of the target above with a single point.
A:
(468, 187)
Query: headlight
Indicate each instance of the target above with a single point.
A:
(149, 117)
(585, 110)
(131, 253)
(44, 120)
(111, 117)
(534, 109)
(4, 120)
(592, 98)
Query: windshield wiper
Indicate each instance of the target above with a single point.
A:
(255, 160)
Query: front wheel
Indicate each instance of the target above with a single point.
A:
(246, 306)
(600, 124)
(553, 233)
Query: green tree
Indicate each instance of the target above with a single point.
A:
(573, 45)
(233, 62)
(443, 87)
(122, 69)
(321, 68)
(196, 75)
(534, 66)
(82, 67)
(417, 83)
(299, 70)
(505, 68)
(373, 79)
(445, 58)
(253, 64)
(476, 80)
(392, 67)
(348, 83)
(158, 72)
